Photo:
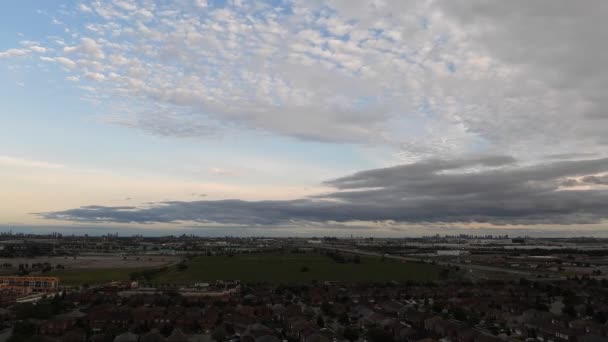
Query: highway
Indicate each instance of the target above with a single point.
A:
(470, 267)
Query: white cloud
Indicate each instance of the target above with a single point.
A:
(13, 53)
(95, 76)
(88, 47)
(38, 49)
(85, 8)
(9, 161)
(126, 5)
(66, 62)
(223, 172)
(422, 77)
(201, 3)
(33, 46)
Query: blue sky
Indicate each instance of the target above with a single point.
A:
(48, 119)
(139, 102)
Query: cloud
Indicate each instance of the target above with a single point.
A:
(602, 180)
(492, 189)
(416, 76)
(166, 124)
(29, 48)
(420, 77)
(586, 181)
(95, 76)
(201, 3)
(223, 172)
(574, 155)
(550, 91)
(38, 49)
(85, 8)
(13, 53)
(26, 163)
(88, 48)
(63, 61)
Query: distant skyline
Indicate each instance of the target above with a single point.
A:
(289, 117)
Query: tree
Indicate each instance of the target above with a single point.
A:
(569, 310)
(219, 334)
(351, 334)
(600, 317)
(24, 311)
(320, 321)
(473, 318)
(23, 329)
(379, 335)
(327, 308)
(343, 318)
(459, 314)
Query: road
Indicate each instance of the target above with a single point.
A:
(470, 267)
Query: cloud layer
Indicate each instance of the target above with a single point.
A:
(433, 78)
(492, 189)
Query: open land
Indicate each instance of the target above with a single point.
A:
(95, 261)
(274, 268)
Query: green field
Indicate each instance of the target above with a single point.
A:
(92, 276)
(288, 268)
(266, 268)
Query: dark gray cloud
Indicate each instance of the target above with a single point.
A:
(494, 189)
(603, 180)
(577, 155)
(587, 180)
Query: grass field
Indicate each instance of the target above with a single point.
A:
(275, 268)
(288, 268)
(92, 276)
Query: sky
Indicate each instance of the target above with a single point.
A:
(290, 117)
